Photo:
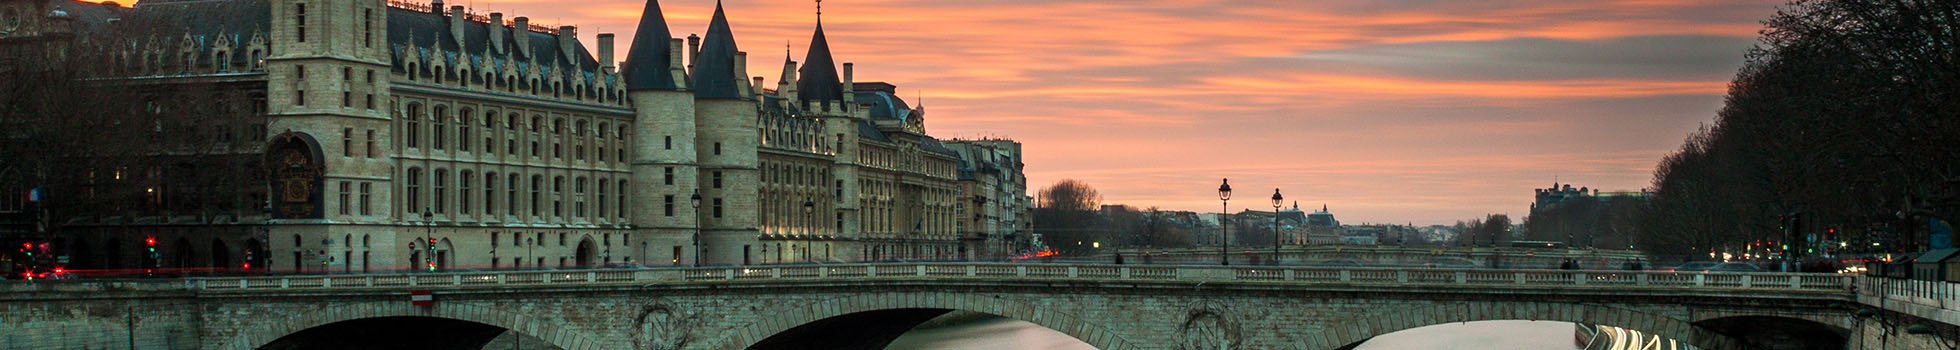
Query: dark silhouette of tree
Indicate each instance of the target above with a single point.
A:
(1846, 112)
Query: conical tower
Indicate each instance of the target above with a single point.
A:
(664, 164)
(725, 121)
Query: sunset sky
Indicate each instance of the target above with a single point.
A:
(1394, 111)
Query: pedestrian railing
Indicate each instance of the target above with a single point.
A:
(1930, 293)
(1934, 294)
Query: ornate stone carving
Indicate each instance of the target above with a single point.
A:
(1208, 326)
(661, 326)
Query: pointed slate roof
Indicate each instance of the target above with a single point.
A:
(714, 69)
(817, 80)
(647, 62)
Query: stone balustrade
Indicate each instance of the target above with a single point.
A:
(1066, 272)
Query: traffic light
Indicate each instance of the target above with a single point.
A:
(432, 255)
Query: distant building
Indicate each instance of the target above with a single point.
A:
(1548, 198)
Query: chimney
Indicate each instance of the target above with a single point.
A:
(693, 50)
(436, 7)
(674, 63)
(849, 91)
(742, 70)
(456, 20)
(568, 44)
(497, 32)
(606, 52)
(521, 30)
(756, 88)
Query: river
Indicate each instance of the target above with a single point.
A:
(995, 333)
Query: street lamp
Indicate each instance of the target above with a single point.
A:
(1224, 233)
(1276, 200)
(696, 199)
(429, 238)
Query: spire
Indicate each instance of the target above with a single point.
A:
(1323, 208)
(648, 61)
(817, 80)
(714, 67)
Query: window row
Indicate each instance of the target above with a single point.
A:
(493, 194)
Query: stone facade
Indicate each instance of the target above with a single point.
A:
(399, 135)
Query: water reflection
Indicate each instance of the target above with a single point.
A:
(986, 332)
(1482, 335)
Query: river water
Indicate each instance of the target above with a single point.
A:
(995, 333)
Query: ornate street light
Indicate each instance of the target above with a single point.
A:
(1276, 200)
(696, 200)
(1224, 233)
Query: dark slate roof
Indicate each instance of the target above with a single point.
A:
(868, 131)
(817, 80)
(168, 21)
(429, 34)
(929, 144)
(884, 105)
(714, 68)
(647, 64)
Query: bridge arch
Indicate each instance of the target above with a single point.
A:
(1352, 334)
(914, 303)
(264, 332)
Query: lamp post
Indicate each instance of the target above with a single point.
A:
(528, 243)
(809, 225)
(696, 200)
(429, 239)
(1224, 229)
(1276, 200)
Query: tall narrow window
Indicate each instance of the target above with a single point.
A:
(578, 198)
(414, 127)
(621, 208)
(414, 195)
(717, 208)
(717, 179)
(438, 123)
(347, 141)
(557, 196)
(717, 148)
(669, 141)
(441, 182)
(299, 21)
(537, 182)
(668, 174)
(490, 193)
(367, 27)
(463, 190)
(367, 194)
(346, 197)
(510, 201)
(602, 198)
(668, 205)
(370, 143)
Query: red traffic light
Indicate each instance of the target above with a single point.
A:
(150, 240)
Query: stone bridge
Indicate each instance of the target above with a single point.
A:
(865, 306)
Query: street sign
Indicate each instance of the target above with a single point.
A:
(421, 298)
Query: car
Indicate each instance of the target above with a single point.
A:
(1735, 267)
(1695, 266)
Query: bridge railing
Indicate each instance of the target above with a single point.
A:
(1939, 295)
(1061, 272)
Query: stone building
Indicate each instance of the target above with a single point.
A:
(390, 135)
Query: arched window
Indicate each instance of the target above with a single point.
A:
(467, 121)
(557, 196)
(578, 198)
(463, 190)
(537, 182)
(602, 198)
(489, 193)
(622, 198)
(440, 181)
(510, 200)
(413, 126)
(413, 195)
(437, 124)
